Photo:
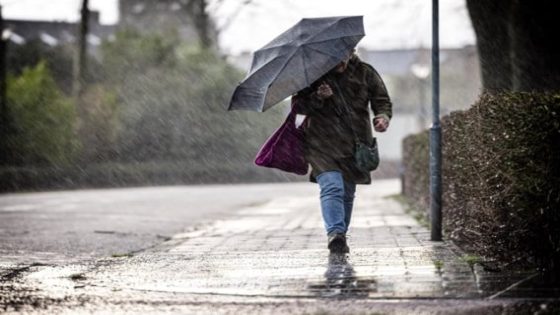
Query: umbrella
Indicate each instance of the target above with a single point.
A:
(295, 59)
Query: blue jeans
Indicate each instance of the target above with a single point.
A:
(337, 199)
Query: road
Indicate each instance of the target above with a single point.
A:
(52, 227)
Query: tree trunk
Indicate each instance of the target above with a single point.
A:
(6, 130)
(490, 20)
(197, 10)
(535, 60)
(80, 61)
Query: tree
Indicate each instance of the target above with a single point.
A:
(202, 22)
(57, 59)
(43, 119)
(5, 120)
(133, 53)
(80, 61)
(516, 43)
(172, 100)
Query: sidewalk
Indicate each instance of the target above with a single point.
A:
(272, 259)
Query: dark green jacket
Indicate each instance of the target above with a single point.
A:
(329, 140)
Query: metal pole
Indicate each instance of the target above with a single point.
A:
(435, 133)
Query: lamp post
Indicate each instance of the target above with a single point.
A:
(435, 133)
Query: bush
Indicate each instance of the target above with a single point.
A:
(42, 118)
(172, 103)
(415, 162)
(132, 53)
(160, 111)
(501, 175)
(58, 60)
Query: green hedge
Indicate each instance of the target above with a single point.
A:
(42, 120)
(416, 178)
(501, 177)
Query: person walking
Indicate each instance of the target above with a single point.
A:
(347, 89)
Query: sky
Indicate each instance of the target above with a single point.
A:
(389, 24)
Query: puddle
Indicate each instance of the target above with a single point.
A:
(341, 281)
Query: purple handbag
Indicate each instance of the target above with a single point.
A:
(284, 149)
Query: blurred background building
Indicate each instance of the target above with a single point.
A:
(186, 18)
(57, 33)
(182, 18)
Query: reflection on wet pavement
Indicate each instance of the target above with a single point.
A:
(341, 281)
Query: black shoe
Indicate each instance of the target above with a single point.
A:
(337, 243)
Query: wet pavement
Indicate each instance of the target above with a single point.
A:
(271, 258)
(56, 227)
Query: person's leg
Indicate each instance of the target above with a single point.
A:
(349, 193)
(332, 201)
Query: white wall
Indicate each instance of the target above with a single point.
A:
(390, 142)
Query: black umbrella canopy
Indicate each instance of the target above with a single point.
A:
(295, 59)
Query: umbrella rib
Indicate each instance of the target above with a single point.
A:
(322, 52)
(280, 44)
(255, 70)
(332, 25)
(331, 39)
(288, 56)
(285, 55)
(280, 71)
